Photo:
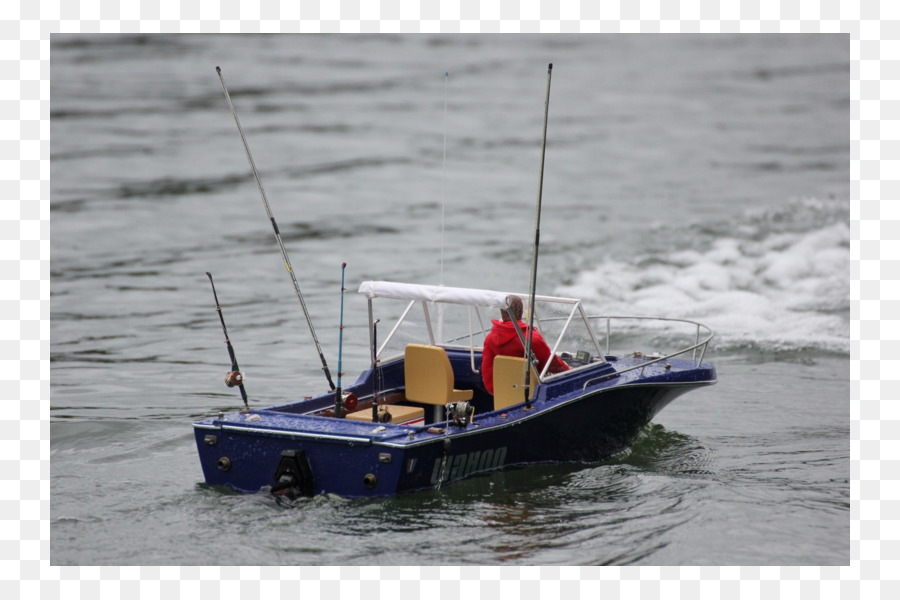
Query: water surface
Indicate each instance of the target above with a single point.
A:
(704, 177)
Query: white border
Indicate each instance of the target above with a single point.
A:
(31, 574)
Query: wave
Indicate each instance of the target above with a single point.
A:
(774, 280)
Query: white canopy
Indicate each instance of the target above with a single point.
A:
(433, 293)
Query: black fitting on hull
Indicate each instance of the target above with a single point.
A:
(293, 477)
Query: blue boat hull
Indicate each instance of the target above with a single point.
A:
(353, 459)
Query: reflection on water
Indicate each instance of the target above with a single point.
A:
(542, 514)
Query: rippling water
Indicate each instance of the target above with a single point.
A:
(704, 177)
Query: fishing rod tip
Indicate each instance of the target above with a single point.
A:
(343, 265)
(550, 67)
(218, 69)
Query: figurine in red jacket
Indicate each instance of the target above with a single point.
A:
(504, 341)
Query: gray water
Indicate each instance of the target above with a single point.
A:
(704, 177)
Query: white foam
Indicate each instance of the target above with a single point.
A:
(773, 291)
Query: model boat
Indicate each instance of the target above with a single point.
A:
(420, 416)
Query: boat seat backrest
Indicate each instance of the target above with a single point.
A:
(509, 381)
(429, 376)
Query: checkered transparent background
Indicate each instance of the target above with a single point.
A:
(25, 29)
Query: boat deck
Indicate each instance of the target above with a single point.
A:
(312, 418)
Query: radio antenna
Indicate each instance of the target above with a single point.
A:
(444, 175)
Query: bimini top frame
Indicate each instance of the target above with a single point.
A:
(474, 299)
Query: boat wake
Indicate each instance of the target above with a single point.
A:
(777, 280)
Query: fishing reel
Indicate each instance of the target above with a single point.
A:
(461, 413)
(348, 404)
(349, 401)
(234, 378)
(382, 415)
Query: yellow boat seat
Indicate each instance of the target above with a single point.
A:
(509, 381)
(429, 378)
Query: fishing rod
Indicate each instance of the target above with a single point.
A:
(338, 398)
(534, 253)
(235, 377)
(287, 261)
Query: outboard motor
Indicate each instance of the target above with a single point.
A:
(293, 477)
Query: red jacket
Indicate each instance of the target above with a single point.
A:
(504, 341)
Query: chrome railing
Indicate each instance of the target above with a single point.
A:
(703, 335)
(699, 344)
